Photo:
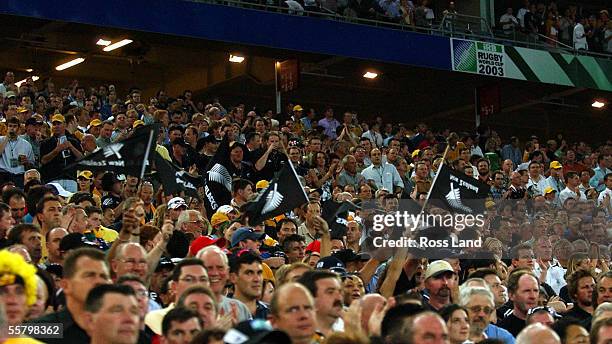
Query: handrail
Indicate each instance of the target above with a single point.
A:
(431, 30)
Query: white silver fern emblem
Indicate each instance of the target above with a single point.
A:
(219, 174)
(273, 200)
(453, 197)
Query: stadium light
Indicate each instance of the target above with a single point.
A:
(370, 75)
(236, 58)
(598, 104)
(34, 78)
(103, 42)
(118, 45)
(69, 64)
(29, 70)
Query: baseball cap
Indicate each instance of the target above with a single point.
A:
(33, 121)
(178, 141)
(415, 153)
(176, 203)
(298, 108)
(85, 174)
(245, 233)
(137, 123)
(548, 190)
(200, 243)
(555, 165)
(226, 209)
(262, 184)
(58, 118)
(95, 122)
(164, 263)
(329, 262)
(10, 94)
(257, 331)
(314, 246)
(437, 267)
(58, 190)
(346, 255)
(218, 218)
(76, 240)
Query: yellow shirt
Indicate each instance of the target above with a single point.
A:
(163, 151)
(106, 234)
(23, 340)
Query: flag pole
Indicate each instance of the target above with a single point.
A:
(146, 157)
(435, 178)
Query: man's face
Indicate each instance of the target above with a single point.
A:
(133, 261)
(248, 280)
(422, 171)
(375, 156)
(142, 296)
(106, 131)
(312, 211)
(365, 192)
(190, 275)
(6, 222)
(118, 320)
(498, 180)
(479, 312)
(89, 273)
(543, 248)
(52, 214)
(499, 291)
(573, 181)
(328, 301)
(526, 295)
(17, 205)
(429, 329)
(584, 294)
(295, 252)
(204, 306)
(296, 315)
(84, 184)
(12, 130)
(55, 237)
(121, 121)
(543, 318)
(507, 165)
(439, 285)
(79, 223)
(604, 290)
(525, 259)
(353, 232)
(94, 220)
(534, 169)
(249, 244)
(13, 297)
(32, 241)
(217, 271)
(287, 228)
(182, 332)
(351, 165)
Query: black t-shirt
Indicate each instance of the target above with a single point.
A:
(53, 168)
(513, 324)
(579, 313)
(110, 201)
(275, 163)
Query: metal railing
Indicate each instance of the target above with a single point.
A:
(451, 25)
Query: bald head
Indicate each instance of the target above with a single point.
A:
(369, 303)
(537, 333)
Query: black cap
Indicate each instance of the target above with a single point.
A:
(76, 240)
(329, 262)
(346, 256)
(164, 263)
(180, 141)
(256, 331)
(33, 121)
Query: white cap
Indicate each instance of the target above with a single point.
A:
(176, 203)
(226, 209)
(60, 190)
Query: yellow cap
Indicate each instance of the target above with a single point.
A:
(555, 165)
(85, 174)
(297, 108)
(94, 123)
(22, 109)
(548, 190)
(218, 218)
(415, 153)
(267, 273)
(262, 184)
(58, 118)
(137, 123)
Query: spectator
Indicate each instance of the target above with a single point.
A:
(508, 22)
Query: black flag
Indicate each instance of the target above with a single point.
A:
(176, 180)
(336, 215)
(218, 180)
(458, 193)
(126, 156)
(284, 194)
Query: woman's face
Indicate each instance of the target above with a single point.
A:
(353, 289)
(320, 159)
(458, 326)
(268, 292)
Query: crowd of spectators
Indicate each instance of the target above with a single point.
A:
(571, 25)
(114, 259)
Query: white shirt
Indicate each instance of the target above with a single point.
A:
(567, 193)
(580, 41)
(538, 185)
(9, 160)
(521, 16)
(508, 18)
(384, 175)
(601, 197)
(555, 277)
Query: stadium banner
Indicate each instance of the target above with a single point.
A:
(519, 63)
